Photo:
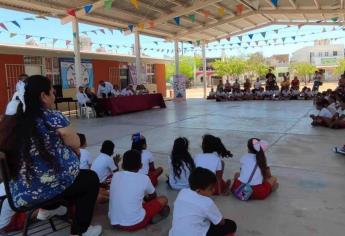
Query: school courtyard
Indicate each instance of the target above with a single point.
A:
(310, 200)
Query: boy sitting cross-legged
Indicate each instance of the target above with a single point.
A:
(133, 201)
(195, 213)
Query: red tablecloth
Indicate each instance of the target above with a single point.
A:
(119, 105)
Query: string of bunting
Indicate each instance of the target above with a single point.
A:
(4, 24)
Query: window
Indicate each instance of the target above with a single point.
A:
(52, 70)
(28, 60)
(335, 53)
(326, 54)
(320, 54)
(150, 72)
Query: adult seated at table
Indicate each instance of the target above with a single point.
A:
(42, 154)
(94, 101)
(141, 89)
(295, 84)
(236, 87)
(227, 87)
(116, 91)
(104, 89)
(128, 91)
(85, 101)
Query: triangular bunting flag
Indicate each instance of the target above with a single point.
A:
(152, 24)
(221, 11)
(88, 8)
(28, 36)
(102, 30)
(257, 43)
(334, 19)
(12, 35)
(276, 31)
(42, 17)
(239, 8)
(29, 18)
(334, 29)
(41, 38)
(275, 2)
(228, 38)
(206, 14)
(192, 18)
(111, 31)
(283, 39)
(108, 4)
(274, 40)
(74, 34)
(55, 40)
(135, 3)
(110, 46)
(94, 31)
(71, 12)
(323, 30)
(239, 44)
(250, 36)
(240, 38)
(84, 32)
(300, 26)
(16, 23)
(141, 26)
(190, 42)
(155, 42)
(319, 21)
(121, 30)
(130, 27)
(263, 34)
(266, 41)
(68, 42)
(293, 37)
(177, 20)
(2, 25)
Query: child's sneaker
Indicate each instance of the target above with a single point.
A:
(46, 214)
(161, 216)
(340, 150)
(93, 231)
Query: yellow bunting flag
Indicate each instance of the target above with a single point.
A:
(135, 3)
(221, 11)
(141, 26)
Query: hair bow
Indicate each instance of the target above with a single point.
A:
(260, 144)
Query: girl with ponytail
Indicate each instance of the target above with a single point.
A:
(254, 164)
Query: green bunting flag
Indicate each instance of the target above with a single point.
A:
(192, 17)
(108, 4)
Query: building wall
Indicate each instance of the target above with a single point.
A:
(101, 70)
(160, 79)
(7, 59)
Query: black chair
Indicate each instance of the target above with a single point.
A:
(29, 209)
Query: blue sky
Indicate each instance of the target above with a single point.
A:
(52, 28)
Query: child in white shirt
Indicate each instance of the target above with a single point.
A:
(85, 156)
(213, 149)
(147, 160)
(133, 202)
(262, 182)
(324, 118)
(181, 164)
(195, 213)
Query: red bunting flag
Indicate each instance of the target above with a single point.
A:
(152, 24)
(68, 42)
(2, 25)
(206, 15)
(71, 12)
(239, 8)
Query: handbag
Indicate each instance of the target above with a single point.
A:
(245, 191)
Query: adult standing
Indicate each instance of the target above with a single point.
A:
(317, 81)
(42, 152)
(270, 75)
(104, 89)
(285, 84)
(295, 84)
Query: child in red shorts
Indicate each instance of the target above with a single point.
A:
(147, 160)
(262, 182)
(133, 202)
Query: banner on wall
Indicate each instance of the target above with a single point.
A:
(68, 74)
(133, 74)
(179, 84)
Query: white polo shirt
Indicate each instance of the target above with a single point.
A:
(146, 159)
(85, 159)
(193, 214)
(104, 166)
(248, 162)
(210, 161)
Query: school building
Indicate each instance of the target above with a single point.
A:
(15, 60)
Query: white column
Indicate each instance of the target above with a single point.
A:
(177, 58)
(76, 45)
(204, 68)
(137, 57)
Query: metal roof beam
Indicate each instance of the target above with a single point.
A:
(269, 2)
(317, 4)
(293, 4)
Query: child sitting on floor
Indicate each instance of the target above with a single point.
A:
(213, 149)
(324, 118)
(147, 161)
(85, 156)
(181, 164)
(212, 94)
(133, 202)
(254, 163)
(195, 213)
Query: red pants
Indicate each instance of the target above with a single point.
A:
(152, 208)
(222, 188)
(153, 175)
(260, 192)
(17, 223)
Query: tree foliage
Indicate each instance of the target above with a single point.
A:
(341, 67)
(230, 66)
(186, 67)
(303, 69)
(257, 64)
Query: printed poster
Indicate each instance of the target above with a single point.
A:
(179, 85)
(133, 74)
(68, 74)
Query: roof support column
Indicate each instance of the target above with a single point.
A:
(77, 60)
(137, 57)
(177, 58)
(204, 68)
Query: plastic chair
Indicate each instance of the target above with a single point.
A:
(86, 111)
(30, 209)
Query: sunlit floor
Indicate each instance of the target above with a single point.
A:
(311, 197)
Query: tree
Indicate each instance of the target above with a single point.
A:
(341, 67)
(257, 64)
(230, 66)
(186, 67)
(303, 69)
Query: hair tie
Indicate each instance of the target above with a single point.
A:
(260, 145)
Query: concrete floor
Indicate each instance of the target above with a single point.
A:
(311, 197)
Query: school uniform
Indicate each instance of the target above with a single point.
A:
(212, 162)
(104, 167)
(181, 182)
(146, 159)
(261, 188)
(324, 112)
(126, 209)
(197, 215)
(332, 108)
(85, 159)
